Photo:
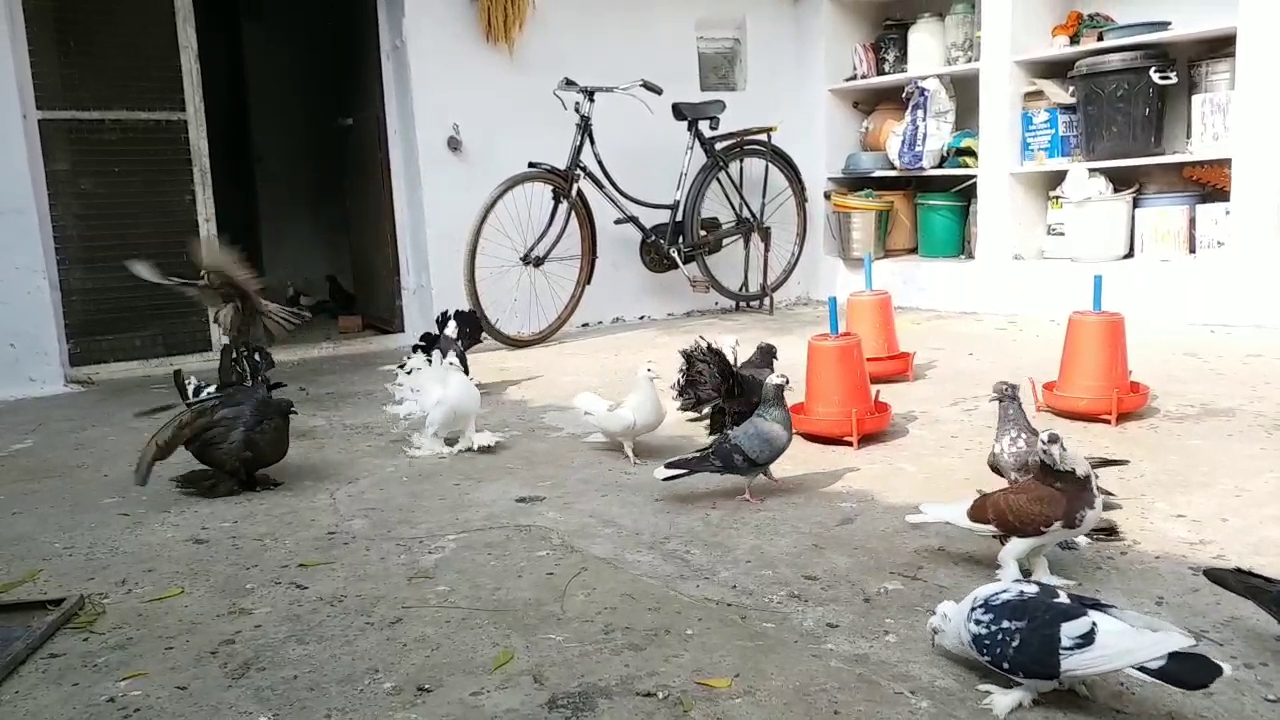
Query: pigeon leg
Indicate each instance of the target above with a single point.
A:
(768, 473)
(1078, 687)
(1002, 701)
(746, 493)
(1013, 551)
(208, 483)
(426, 444)
(629, 447)
(264, 481)
(1040, 570)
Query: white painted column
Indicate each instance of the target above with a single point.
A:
(1254, 210)
(999, 134)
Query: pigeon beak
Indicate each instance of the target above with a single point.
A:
(993, 398)
(293, 411)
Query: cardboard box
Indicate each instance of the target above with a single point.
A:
(1050, 135)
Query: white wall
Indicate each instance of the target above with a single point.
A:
(31, 356)
(507, 116)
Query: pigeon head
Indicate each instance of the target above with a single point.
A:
(647, 372)
(766, 351)
(286, 405)
(1051, 445)
(1004, 390)
(778, 379)
(451, 329)
(451, 360)
(943, 625)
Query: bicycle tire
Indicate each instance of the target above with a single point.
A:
(586, 230)
(693, 214)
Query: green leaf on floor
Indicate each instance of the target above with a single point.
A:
(315, 563)
(15, 584)
(504, 656)
(718, 683)
(686, 703)
(170, 593)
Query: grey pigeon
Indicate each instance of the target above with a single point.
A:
(1046, 639)
(747, 450)
(1013, 455)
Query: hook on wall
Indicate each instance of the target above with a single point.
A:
(454, 141)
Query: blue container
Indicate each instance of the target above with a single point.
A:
(1189, 198)
(1050, 135)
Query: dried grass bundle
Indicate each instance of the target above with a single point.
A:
(503, 20)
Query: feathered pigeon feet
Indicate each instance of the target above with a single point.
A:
(477, 441)
(427, 445)
(1002, 701)
(1040, 572)
(212, 484)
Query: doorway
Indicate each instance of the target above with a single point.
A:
(296, 129)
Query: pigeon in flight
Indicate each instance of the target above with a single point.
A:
(711, 382)
(748, 450)
(1028, 517)
(1014, 457)
(1046, 639)
(639, 413)
(1255, 587)
(231, 288)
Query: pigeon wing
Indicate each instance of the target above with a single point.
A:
(755, 443)
(1022, 510)
(612, 419)
(171, 436)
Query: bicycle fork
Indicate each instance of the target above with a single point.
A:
(697, 284)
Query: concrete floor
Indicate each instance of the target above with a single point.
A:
(617, 591)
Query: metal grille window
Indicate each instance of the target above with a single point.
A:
(112, 92)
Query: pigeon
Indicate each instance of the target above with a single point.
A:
(710, 381)
(639, 413)
(344, 302)
(435, 388)
(234, 433)
(230, 287)
(457, 331)
(247, 365)
(1255, 587)
(748, 450)
(1047, 639)
(1028, 517)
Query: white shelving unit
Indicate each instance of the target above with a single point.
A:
(1016, 48)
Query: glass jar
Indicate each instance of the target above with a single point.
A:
(959, 32)
(891, 47)
(926, 44)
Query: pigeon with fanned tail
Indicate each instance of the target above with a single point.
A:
(1028, 517)
(1253, 586)
(638, 414)
(696, 382)
(235, 433)
(1046, 639)
(729, 393)
(748, 450)
(1014, 457)
(436, 390)
(456, 332)
(234, 291)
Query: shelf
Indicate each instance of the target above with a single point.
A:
(901, 80)
(1168, 37)
(1173, 159)
(837, 176)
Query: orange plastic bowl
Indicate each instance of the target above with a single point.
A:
(875, 422)
(1096, 407)
(892, 366)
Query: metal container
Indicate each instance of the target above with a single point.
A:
(891, 47)
(861, 227)
(1213, 83)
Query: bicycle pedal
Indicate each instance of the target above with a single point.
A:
(700, 285)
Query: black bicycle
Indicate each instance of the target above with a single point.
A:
(718, 212)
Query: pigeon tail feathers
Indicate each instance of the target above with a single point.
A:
(1182, 670)
(591, 403)
(683, 466)
(956, 513)
(1097, 463)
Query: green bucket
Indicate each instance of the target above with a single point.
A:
(940, 221)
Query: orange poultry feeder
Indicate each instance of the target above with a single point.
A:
(1094, 380)
(869, 315)
(838, 402)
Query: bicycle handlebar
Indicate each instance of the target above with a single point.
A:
(571, 85)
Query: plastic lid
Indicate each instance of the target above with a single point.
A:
(928, 16)
(1126, 60)
(960, 8)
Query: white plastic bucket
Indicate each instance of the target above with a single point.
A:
(1100, 229)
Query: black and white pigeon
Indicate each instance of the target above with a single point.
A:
(711, 382)
(248, 365)
(1047, 639)
(457, 331)
(748, 450)
(233, 290)
(1253, 586)
(1013, 457)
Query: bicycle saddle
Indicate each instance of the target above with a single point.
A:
(705, 110)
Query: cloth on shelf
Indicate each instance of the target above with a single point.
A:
(961, 150)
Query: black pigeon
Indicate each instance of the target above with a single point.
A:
(234, 291)
(344, 301)
(1014, 456)
(748, 450)
(1255, 587)
(709, 381)
(234, 433)
(457, 331)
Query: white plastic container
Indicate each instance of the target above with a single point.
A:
(1162, 233)
(926, 44)
(1213, 227)
(1101, 229)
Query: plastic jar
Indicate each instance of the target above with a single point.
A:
(959, 31)
(926, 44)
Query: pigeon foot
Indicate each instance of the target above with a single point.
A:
(422, 445)
(1078, 687)
(747, 496)
(1040, 572)
(1083, 542)
(263, 481)
(1009, 573)
(1002, 701)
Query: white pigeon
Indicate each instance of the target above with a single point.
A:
(639, 413)
(1046, 639)
(436, 389)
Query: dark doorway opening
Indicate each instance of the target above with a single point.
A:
(293, 104)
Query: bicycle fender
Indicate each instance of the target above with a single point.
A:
(586, 206)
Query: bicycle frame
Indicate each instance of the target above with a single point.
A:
(577, 170)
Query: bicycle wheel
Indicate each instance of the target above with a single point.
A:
(499, 239)
(772, 188)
